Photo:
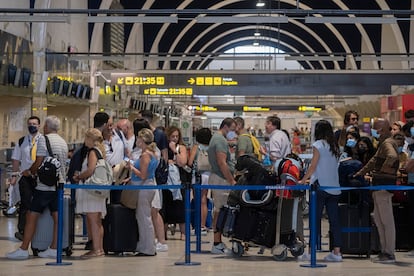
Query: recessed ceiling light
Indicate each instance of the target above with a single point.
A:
(256, 34)
(260, 4)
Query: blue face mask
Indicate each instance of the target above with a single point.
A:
(400, 149)
(32, 129)
(231, 135)
(412, 131)
(374, 133)
(351, 143)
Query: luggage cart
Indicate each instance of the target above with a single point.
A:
(259, 225)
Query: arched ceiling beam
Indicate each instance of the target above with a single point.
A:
(241, 39)
(266, 28)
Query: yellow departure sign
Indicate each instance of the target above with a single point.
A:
(181, 91)
(136, 80)
(212, 81)
(309, 108)
(255, 108)
(206, 108)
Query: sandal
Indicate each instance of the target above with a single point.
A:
(92, 254)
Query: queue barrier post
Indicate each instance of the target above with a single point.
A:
(60, 229)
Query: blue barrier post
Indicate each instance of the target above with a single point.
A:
(187, 227)
(60, 229)
(312, 228)
(197, 218)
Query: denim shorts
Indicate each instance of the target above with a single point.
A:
(43, 199)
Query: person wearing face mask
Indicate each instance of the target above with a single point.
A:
(221, 174)
(381, 130)
(279, 144)
(25, 154)
(384, 167)
(365, 149)
(408, 130)
(350, 149)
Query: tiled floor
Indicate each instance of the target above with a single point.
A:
(164, 262)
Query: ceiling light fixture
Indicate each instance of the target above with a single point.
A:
(256, 43)
(132, 19)
(260, 4)
(35, 18)
(256, 33)
(349, 20)
(315, 58)
(242, 19)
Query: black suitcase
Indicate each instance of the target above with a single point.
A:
(245, 224)
(120, 230)
(402, 226)
(356, 228)
(226, 220)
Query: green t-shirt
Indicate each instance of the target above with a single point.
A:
(217, 144)
(244, 143)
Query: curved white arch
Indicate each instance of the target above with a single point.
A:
(267, 38)
(96, 46)
(241, 39)
(135, 42)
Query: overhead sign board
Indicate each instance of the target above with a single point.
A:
(272, 84)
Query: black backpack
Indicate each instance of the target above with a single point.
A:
(48, 172)
(161, 172)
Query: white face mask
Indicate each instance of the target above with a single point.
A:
(409, 140)
(231, 135)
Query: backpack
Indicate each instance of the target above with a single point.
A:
(48, 172)
(289, 166)
(102, 175)
(256, 146)
(201, 163)
(161, 172)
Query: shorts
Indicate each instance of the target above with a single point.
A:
(156, 202)
(43, 199)
(219, 196)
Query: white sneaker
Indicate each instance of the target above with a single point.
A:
(220, 248)
(331, 257)
(305, 257)
(18, 254)
(159, 247)
(48, 253)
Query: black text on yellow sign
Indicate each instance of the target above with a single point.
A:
(182, 91)
(160, 80)
(309, 108)
(206, 108)
(212, 81)
(255, 108)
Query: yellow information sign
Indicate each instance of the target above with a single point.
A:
(135, 80)
(206, 108)
(212, 81)
(255, 108)
(181, 91)
(309, 108)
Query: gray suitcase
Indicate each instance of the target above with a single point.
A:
(44, 229)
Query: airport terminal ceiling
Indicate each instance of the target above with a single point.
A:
(350, 35)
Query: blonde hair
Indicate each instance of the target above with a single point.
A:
(96, 136)
(148, 137)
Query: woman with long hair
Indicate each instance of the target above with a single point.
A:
(93, 206)
(323, 171)
(143, 173)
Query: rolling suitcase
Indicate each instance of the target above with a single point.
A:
(226, 220)
(43, 235)
(120, 230)
(356, 228)
(402, 226)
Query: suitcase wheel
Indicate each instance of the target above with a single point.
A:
(297, 251)
(280, 257)
(68, 251)
(35, 251)
(237, 249)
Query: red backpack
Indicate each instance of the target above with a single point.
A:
(286, 165)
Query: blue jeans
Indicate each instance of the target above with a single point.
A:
(331, 203)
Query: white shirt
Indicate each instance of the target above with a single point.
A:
(279, 144)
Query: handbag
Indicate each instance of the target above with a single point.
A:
(102, 175)
(129, 198)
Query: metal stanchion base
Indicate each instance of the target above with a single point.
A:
(313, 265)
(59, 264)
(188, 263)
(201, 251)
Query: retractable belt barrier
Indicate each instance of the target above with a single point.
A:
(198, 187)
